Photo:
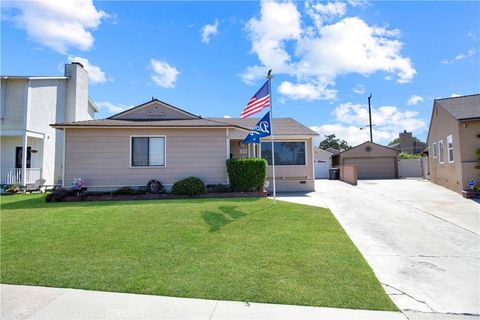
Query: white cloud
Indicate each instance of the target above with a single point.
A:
(454, 95)
(359, 89)
(112, 108)
(388, 120)
(209, 30)
(59, 25)
(306, 91)
(95, 74)
(226, 116)
(164, 75)
(316, 56)
(414, 99)
(470, 52)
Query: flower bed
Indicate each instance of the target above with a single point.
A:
(123, 197)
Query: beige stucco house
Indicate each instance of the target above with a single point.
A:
(453, 137)
(156, 140)
(28, 105)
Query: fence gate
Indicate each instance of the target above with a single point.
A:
(410, 168)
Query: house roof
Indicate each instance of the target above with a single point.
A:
(461, 108)
(183, 123)
(366, 143)
(281, 126)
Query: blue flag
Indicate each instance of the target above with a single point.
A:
(261, 129)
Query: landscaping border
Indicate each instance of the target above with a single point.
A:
(165, 196)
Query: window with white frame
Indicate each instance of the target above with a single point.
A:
(440, 152)
(434, 147)
(430, 151)
(450, 148)
(147, 151)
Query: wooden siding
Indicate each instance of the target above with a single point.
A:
(101, 157)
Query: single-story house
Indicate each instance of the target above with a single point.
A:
(453, 138)
(156, 140)
(373, 160)
(323, 163)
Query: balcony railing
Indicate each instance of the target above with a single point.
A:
(14, 175)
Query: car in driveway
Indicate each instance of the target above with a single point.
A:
(421, 240)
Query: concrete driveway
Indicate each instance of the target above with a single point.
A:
(421, 240)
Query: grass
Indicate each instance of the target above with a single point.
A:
(228, 249)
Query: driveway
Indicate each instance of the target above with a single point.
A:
(421, 240)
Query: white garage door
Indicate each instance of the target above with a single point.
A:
(321, 169)
(374, 168)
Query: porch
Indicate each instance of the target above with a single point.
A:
(17, 167)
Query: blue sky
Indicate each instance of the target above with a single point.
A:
(209, 58)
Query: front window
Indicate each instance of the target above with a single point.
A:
(440, 150)
(286, 153)
(450, 148)
(434, 149)
(148, 151)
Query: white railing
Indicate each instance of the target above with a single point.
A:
(14, 175)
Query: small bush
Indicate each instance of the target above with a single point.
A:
(402, 155)
(247, 174)
(189, 186)
(125, 191)
(57, 195)
(14, 188)
(219, 188)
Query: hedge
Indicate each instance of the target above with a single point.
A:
(189, 186)
(247, 174)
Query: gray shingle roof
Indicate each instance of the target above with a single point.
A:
(461, 108)
(281, 126)
(187, 123)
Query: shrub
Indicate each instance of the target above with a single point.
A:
(219, 188)
(56, 196)
(247, 174)
(14, 188)
(189, 186)
(402, 155)
(126, 191)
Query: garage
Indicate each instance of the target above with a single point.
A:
(323, 163)
(374, 168)
(373, 161)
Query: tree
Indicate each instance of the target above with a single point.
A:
(331, 141)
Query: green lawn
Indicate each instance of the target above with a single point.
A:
(228, 249)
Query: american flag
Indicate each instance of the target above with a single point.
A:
(260, 100)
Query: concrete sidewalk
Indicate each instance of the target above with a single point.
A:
(28, 302)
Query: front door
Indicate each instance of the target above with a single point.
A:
(19, 155)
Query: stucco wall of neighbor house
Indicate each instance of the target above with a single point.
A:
(101, 157)
(446, 174)
(469, 132)
(13, 103)
(76, 93)
(9, 144)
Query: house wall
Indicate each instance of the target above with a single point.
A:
(445, 174)
(469, 132)
(101, 157)
(45, 101)
(13, 104)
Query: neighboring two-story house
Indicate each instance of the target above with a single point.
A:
(29, 104)
(453, 137)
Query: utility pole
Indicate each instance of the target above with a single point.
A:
(370, 117)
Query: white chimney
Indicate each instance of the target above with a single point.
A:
(76, 107)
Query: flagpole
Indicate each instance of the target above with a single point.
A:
(269, 77)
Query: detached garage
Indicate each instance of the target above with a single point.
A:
(323, 163)
(373, 161)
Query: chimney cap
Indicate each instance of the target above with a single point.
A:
(76, 62)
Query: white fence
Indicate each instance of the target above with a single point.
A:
(14, 175)
(410, 168)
